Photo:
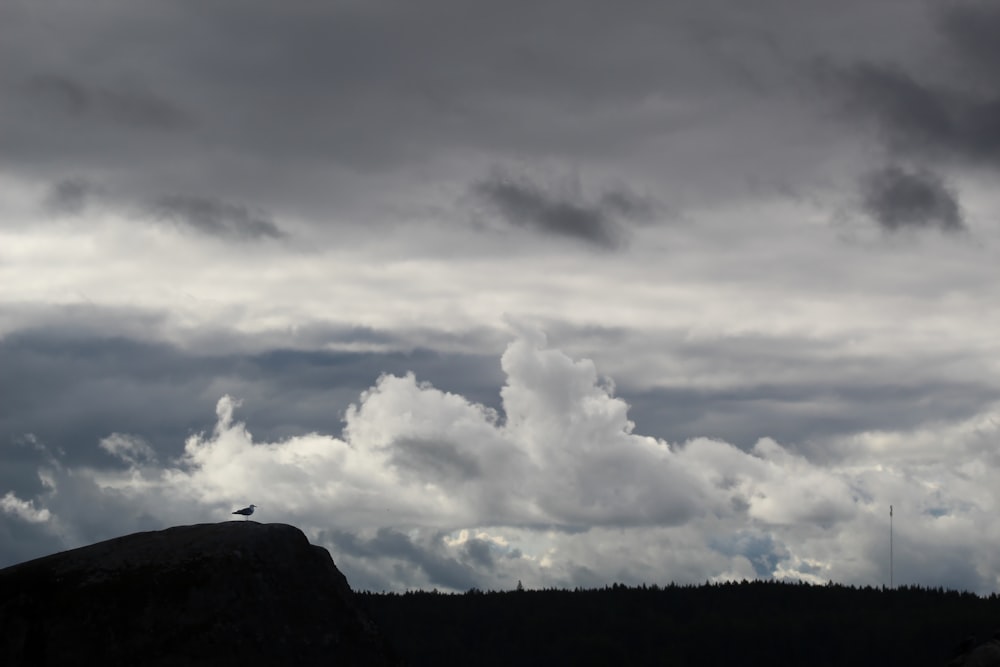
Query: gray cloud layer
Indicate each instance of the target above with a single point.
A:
(208, 201)
(216, 218)
(70, 196)
(123, 104)
(282, 109)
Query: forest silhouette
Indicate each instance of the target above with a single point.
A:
(744, 623)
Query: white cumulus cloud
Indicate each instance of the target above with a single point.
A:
(23, 509)
(426, 488)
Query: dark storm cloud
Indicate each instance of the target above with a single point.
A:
(209, 216)
(479, 552)
(946, 115)
(972, 29)
(20, 459)
(900, 199)
(360, 87)
(69, 392)
(439, 568)
(216, 218)
(627, 204)
(800, 392)
(69, 386)
(763, 552)
(23, 541)
(523, 203)
(955, 115)
(70, 196)
(803, 415)
(913, 116)
(436, 459)
(923, 119)
(125, 104)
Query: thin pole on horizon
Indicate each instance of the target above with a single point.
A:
(890, 548)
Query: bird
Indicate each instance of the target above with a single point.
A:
(246, 511)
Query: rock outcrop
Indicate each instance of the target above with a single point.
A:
(986, 654)
(232, 593)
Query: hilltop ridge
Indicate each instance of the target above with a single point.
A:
(229, 593)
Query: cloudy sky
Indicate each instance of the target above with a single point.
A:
(567, 292)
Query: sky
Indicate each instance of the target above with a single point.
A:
(567, 293)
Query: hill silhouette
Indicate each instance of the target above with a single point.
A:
(244, 593)
(234, 593)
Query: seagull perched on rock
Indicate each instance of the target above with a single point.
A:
(246, 511)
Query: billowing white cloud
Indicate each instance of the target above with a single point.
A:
(23, 509)
(129, 449)
(425, 488)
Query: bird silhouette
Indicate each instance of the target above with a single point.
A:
(246, 511)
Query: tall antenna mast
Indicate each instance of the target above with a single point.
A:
(890, 548)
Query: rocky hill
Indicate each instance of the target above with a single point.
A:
(230, 593)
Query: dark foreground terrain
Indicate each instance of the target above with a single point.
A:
(235, 593)
(244, 593)
(746, 624)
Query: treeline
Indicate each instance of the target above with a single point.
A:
(738, 623)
